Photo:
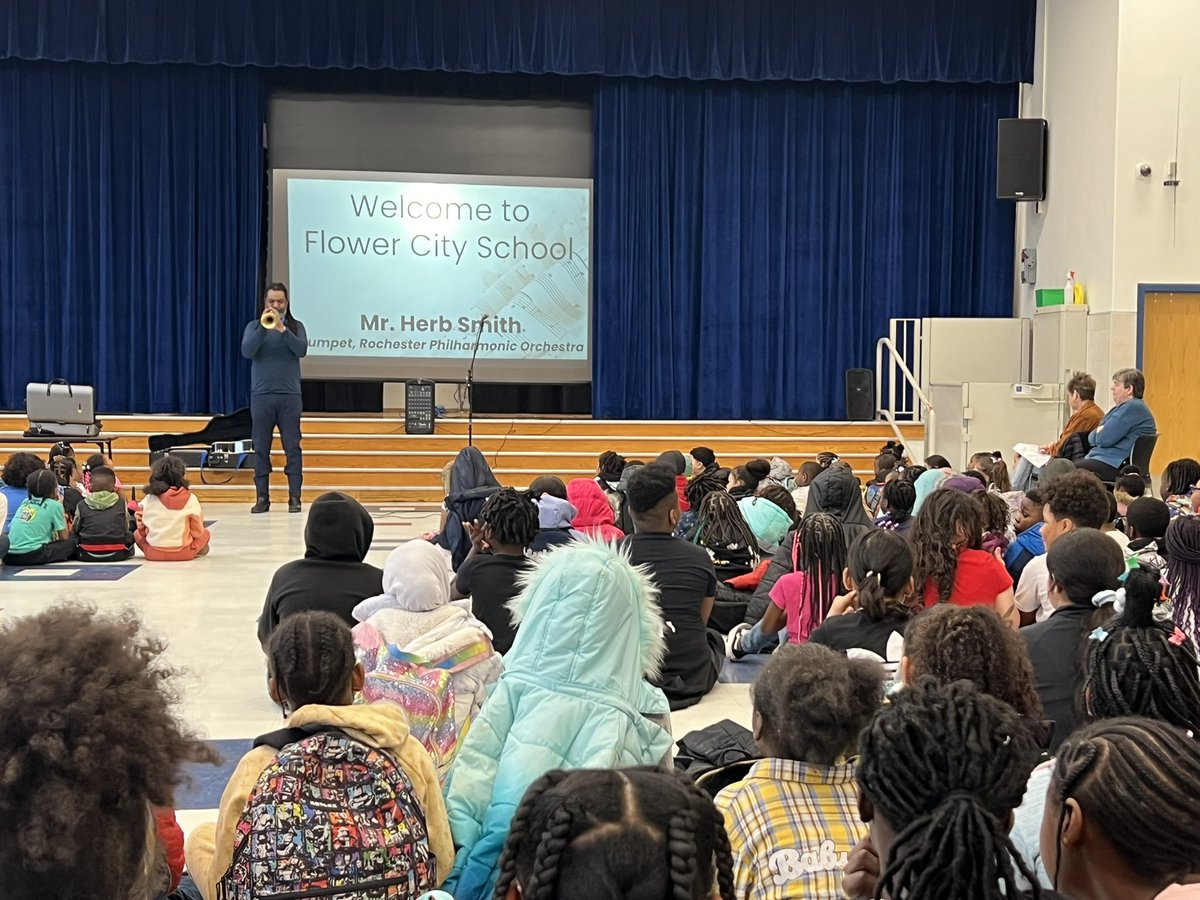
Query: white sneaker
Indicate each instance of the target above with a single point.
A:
(733, 641)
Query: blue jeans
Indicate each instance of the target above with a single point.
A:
(187, 890)
(269, 411)
(755, 641)
(1022, 477)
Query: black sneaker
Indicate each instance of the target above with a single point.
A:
(262, 505)
(293, 504)
(733, 641)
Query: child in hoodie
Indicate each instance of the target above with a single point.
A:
(313, 677)
(594, 516)
(555, 514)
(170, 524)
(332, 575)
(102, 522)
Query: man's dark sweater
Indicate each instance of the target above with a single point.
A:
(275, 358)
(332, 576)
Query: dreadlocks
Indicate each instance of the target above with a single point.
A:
(1180, 476)
(720, 525)
(1137, 666)
(1133, 778)
(311, 658)
(707, 482)
(945, 765)
(513, 517)
(639, 834)
(1183, 550)
(821, 555)
(948, 522)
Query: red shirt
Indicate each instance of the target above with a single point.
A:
(978, 581)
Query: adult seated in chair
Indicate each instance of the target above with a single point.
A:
(1130, 418)
(1085, 416)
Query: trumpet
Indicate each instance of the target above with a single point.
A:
(269, 319)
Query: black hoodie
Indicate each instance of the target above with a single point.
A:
(332, 576)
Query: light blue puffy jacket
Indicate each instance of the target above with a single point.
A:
(573, 695)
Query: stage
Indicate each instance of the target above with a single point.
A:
(371, 458)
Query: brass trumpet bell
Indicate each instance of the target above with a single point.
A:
(269, 318)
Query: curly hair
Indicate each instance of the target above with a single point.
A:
(782, 498)
(19, 467)
(814, 702)
(168, 472)
(88, 746)
(513, 517)
(1079, 496)
(949, 521)
(638, 834)
(972, 643)
(946, 765)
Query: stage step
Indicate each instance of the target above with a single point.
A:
(373, 459)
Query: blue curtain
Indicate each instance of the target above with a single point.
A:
(881, 41)
(752, 240)
(130, 231)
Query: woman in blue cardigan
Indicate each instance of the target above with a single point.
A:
(1130, 418)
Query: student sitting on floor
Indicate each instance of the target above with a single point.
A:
(574, 694)
(797, 804)
(616, 833)
(687, 585)
(102, 525)
(490, 574)
(722, 531)
(65, 470)
(93, 462)
(1028, 542)
(682, 467)
(332, 742)
(1180, 480)
(896, 502)
(744, 480)
(1127, 489)
(555, 514)
(800, 600)
(73, 731)
(15, 486)
(594, 515)
(333, 575)
(38, 534)
(1182, 543)
(1147, 522)
(771, 514)
(170, 523)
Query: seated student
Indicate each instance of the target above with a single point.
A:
(1180, 480)
(996, 518)
(929, 481)
(1147, 521)
(15, 477)
(1127, 489)
(896, 502)
(744, 480)
(620, 833)
(1098, 816)
(804, 478)
(608, 476)
(687, 587)
(871, 618)
(797, 803)
(38, 534)
(722, 531)
(490, 574)
(170, 523)
(555, 513)
(993, 467)
(885, 464)
(624, 520)
(941, 769)
(770, 516)
(574, 694)
(333, 575)
(64, 833)
(837, 492)
(1111, 442)
(93, 462)
(594, 516)
(1028, 543)
(937, 461)
(951, 566)
(698, 490)
(65, 469)
(1182, 543)
(313, 677)
(102, 525)
(704, 460)
(1110, 527)
(682, 467)
(800, 600)
(1084, 570)
(1134, 665)
(1075, 500)
(471, 483)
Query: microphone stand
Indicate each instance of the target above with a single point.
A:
(471, 384)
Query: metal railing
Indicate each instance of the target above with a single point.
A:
(896, 384)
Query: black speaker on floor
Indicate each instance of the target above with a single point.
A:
(860, 395)
(1021, 159)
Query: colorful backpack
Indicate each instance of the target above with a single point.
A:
(333, 818)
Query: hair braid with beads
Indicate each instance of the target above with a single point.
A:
(946, 764)
(639, 834)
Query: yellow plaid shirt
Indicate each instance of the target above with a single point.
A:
(792, 826)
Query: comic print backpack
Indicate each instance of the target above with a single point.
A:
(333, 818)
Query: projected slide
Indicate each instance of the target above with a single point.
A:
(395, 276)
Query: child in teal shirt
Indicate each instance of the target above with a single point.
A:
(38, 533)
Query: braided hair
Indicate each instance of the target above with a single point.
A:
(972, 643)
(1137, 666)
(900, 495)
(311, 659)
(1180, 476)
(1134, 778)
(721, 526)
(64, 469)
(821, 555)
(948, 522)
(881, 564)
(1182, 543)
(513, 517)
(945, 765)
(638, 834)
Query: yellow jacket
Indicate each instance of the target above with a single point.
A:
(380, 725)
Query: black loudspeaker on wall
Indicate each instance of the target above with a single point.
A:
(1021, 159)
(860, 395)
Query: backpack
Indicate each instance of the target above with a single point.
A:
(329, 813)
